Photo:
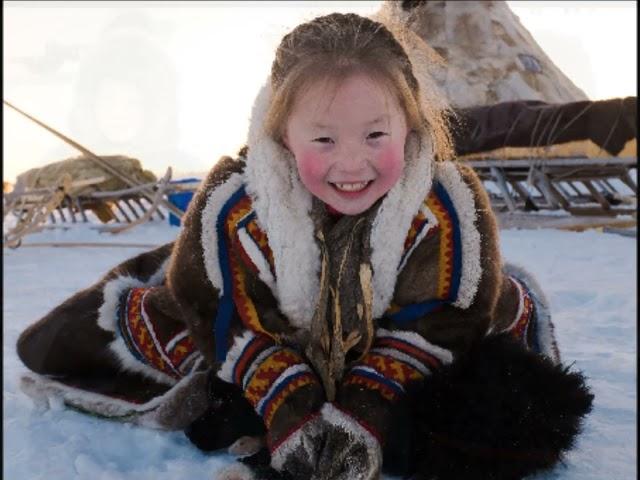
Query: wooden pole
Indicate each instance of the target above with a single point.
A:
(147, 192)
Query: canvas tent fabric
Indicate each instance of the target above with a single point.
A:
(488, 55)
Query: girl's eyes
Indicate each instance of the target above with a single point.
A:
(376, 135)
(371, 136)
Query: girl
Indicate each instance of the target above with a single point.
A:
(342, 278)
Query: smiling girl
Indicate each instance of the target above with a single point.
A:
(341, 279)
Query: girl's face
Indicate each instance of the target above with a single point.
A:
(348, 144)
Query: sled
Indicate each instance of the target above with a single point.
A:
(38, 208)
(579, 157)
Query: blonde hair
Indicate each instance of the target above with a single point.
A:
(336, 46)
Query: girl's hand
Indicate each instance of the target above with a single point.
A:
(297, 456)
(349, 451)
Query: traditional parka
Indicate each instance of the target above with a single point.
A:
(271, 293)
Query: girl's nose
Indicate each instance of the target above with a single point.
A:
(353, 160)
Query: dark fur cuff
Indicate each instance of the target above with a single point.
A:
(500, 412)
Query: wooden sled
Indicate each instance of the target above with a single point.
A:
(578, 157)
(37, 209)
(580, 186)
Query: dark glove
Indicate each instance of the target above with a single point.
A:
(350, 451)
(297, 455)
(228, 419)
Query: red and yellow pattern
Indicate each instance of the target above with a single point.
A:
(408, 349)
(273, 404)
(520, 326)
(446, 244)
(139, 334)
(416, 226)
(261, 240)
(254, 347)
(181, 351)
(392, 368)
(243, 303)
(387, 392)
(268, 372)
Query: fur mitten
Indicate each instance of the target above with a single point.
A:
(501, 412)
(228, 419)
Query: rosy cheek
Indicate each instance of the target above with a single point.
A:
(391, 160)
(311, 166)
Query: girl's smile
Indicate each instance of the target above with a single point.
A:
(348, 143)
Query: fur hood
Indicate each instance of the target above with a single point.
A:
(272, 181)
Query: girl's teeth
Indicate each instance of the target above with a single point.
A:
(351, 187)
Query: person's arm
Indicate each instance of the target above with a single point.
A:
(406, 353)
(234, 330)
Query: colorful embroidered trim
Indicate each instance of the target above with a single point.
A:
(139, 334)
(450, 261)
(373, 380)
(520, 325)
(421, 226)
(396, 359)
(235, 213)
(269, 374)
(259, 238)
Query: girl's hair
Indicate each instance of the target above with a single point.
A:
(335, 46)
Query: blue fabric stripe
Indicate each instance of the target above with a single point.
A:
(125, 332)
(417, 310)
(378, 378)
(243, 223)
(278, 389)
(226, 306)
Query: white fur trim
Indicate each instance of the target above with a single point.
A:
(336, 417)
(256, 363)
(304, 438)
(393, 220)
(152, 332)
(544, 326)
(418, 341)
(132, 364)
(258, 259)
(111, 292)
(462, 198)
(520, 304)
(107, 319)
(283, 205)
(40, 387)
(236, 471)
(209, 235)
(239, 343)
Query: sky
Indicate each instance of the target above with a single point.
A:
(172, 84)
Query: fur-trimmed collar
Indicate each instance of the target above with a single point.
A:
(283, 208)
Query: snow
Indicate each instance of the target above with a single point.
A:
(589, 277)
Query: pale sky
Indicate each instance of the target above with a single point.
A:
(173, 84)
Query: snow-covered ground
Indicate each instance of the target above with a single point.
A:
(590, 279)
